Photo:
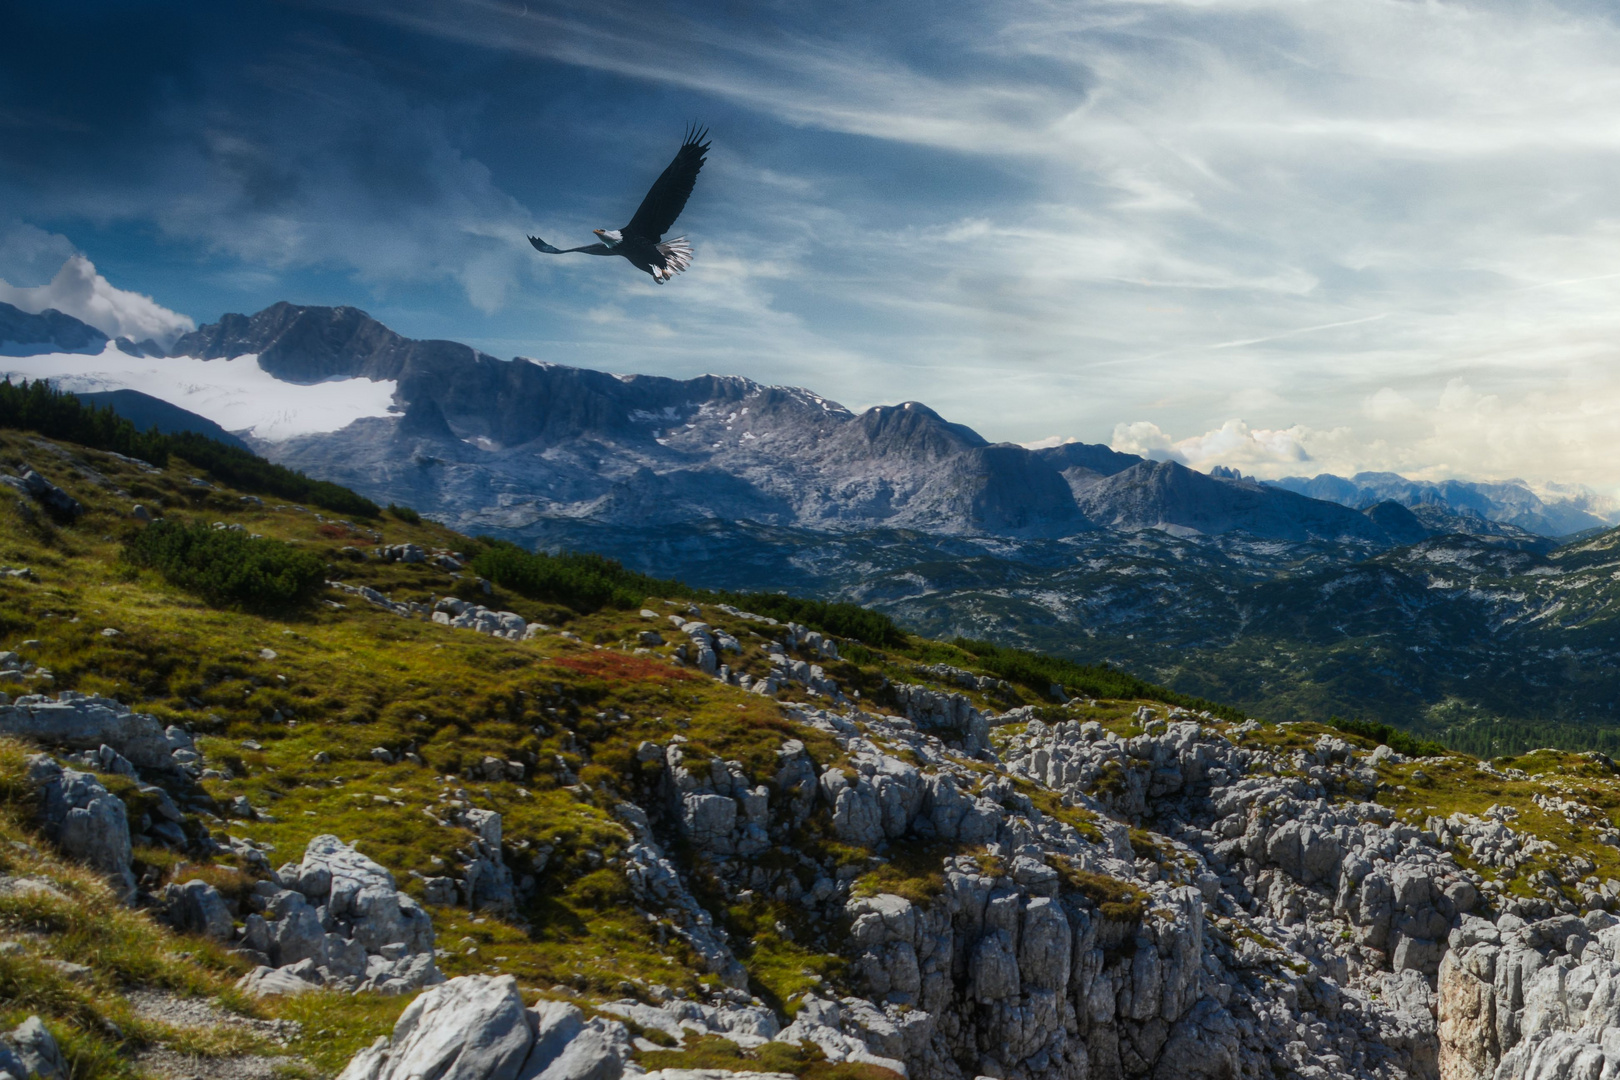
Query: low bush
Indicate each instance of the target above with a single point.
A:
(844, 620)
(588, 583)
(227, 568)
(585, 583)
(1397, 740)
(1040, 673)
(404, 513)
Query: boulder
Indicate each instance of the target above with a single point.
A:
(85, 820)
(196, 907)
(346, 922)
(47, 494)
(34, 1049)
(264, 981)
(476, 1028)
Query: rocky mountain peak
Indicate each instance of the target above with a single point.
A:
(910, 431)
(310, 344)
(62, 333)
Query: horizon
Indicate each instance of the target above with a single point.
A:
(1286, 239)
(124, 315)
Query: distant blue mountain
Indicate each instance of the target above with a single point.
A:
(146, 411)
(1509, 503)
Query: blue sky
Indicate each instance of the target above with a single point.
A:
(1289, 236)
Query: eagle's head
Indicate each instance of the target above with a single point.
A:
(610, 237)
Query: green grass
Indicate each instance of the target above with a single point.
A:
(1115, 900)
(37, 407)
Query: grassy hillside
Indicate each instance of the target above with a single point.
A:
(289, 701)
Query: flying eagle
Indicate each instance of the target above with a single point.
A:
(642, 240)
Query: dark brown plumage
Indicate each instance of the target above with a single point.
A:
(642, 240)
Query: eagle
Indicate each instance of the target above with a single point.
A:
(642, 241)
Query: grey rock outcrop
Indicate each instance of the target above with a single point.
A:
(657, 884)
(85, 820)
(1531, 1001)
(73, 721)
(719, 809)
(196, 907)
(1065, 950)
(486, 881)
(340, 922)
(461, 615)
(30, 483)
(476, 1028)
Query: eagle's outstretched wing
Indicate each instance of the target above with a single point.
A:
(667, 197)
(588, 249)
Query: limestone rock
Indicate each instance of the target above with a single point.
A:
(85, 820)
(35, 1050)
(75, 722)
(265, 981)
(476, 1028)
(196, 907)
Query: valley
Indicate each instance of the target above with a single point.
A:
(1434, 607)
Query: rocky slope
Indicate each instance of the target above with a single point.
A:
(697, 842)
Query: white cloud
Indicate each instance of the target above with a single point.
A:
(78, 290)
(1145, 438)
(1234, 443)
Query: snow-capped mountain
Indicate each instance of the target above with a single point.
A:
(513, 447)
(519, 447)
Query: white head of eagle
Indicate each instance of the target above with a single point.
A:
(610, 237)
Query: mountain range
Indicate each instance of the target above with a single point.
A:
(1445, 607)
(1511, 502)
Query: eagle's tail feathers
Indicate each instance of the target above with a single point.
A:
(677, 255)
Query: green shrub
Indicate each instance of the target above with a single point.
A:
(1040, 673)
(404, 513)
(576, 580)
(844, 620)
(247, 471)
(228, 568)
(1394, 738)
(589, 583)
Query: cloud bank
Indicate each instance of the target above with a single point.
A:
(78, 290)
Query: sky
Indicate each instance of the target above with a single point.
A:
(1285, 236)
